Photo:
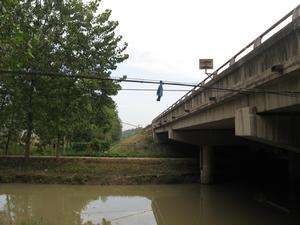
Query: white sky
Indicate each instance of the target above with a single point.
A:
(167, 37)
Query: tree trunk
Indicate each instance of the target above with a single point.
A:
(10, 131)
(64, 145)
(7, 142)
(28, 135)
(29, 124)
(58, 148)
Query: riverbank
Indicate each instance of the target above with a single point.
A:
(101, 171)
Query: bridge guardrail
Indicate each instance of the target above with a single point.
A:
(255, 43)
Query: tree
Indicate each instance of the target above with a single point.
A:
(116, 131)
(67, 37)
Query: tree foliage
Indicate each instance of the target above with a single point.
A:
(67, 37)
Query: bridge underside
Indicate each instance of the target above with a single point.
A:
(246, 120)
(225, 156)
(248, 134)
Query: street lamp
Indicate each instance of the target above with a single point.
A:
(206, 64)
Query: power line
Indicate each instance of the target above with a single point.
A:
(125, 89)
(254, 91)
(157, 81)
(137, 126)
(134, 80)
(93, 77)
(150, 89)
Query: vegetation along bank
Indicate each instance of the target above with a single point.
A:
(103, 171)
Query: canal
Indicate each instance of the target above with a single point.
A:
(26, 204)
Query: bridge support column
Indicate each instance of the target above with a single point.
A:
(294, 167)
(294, 184)
(206, 164)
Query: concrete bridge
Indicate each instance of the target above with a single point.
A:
(252, 100)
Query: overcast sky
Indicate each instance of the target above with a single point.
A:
(166, 38)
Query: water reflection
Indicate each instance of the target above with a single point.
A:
(124, 210)
(2, 202)
(136, 205)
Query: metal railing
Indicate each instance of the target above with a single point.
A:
(258, 41)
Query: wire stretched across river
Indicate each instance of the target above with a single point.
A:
(148, 81)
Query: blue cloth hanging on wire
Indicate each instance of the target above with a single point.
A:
(159, 92)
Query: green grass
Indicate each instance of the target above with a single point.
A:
(32, 223)
(93, 170)
(141, 145)
(138, 145)
(35, 151)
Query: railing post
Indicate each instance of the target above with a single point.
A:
(232, 61)
(257, 42)
(296, 12)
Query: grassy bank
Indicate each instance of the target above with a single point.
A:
(77, 170)
(141, 145)
(138, 145)
(133, 160)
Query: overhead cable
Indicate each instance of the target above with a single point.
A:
(147, 81)
(93, 77)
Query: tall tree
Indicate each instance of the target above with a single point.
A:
(69, 37)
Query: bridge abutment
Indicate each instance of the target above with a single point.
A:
(160, 138)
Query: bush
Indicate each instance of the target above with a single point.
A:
(99, 146)
(42, 151)
(78, 147)
(93, 148)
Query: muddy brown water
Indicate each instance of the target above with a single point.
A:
(26, 204)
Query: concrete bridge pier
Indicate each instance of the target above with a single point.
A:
(294, 184)
(208, 140)
(206, 164)
(294, 167)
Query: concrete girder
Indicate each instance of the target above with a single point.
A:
(206, 137)
(279, 130)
